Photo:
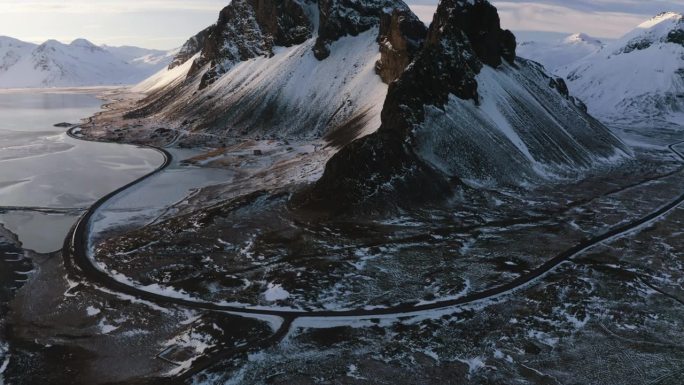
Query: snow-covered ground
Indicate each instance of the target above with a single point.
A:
(148, 200)
(165, 77)
(80, 63)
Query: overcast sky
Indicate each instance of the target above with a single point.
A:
(168, 23)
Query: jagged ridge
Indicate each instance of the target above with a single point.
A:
(449, 118)
(290, 69)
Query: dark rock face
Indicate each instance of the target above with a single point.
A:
(401, 36)
(461, 38)
(247, 29)
(676, 36)
(348, 17)
(638, 44)
(370, 174)
(191, 48)
(479, 21)
(560, 85)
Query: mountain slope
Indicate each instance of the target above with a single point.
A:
(555, 56)
(639, 76)
(287, 69)
(12, 50)
(80, 63)
(466, 110)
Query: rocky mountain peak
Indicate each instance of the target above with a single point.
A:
(247, 29)
(582, 38)
(479, 21)
(464, 35)
(251, 28)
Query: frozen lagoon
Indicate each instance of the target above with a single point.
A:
(42, 168)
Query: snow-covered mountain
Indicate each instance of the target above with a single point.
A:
(80, 63)
(12, 50)
(287, 69)
(466, 111)
(556, 55)
(460, 105)
(639, 76)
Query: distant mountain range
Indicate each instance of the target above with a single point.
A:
(80, 63)
(637, 77)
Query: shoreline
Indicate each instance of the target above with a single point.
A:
(65, 90)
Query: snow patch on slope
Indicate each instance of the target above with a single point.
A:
(166, 77)
(291, 94)
(639, 76)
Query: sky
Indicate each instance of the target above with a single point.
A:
(166, 24)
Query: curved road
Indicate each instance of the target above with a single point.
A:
(75, 253)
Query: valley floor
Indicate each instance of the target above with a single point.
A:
(225, 282)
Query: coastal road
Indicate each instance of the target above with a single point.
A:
(76, 256)
(80, 265)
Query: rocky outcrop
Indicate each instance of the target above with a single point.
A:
(438, 129)
(401, 36)
(676, 36)
(461, 38)
(349, 17)
(479, 21)
(191, 48)
(247, 29)
(251, 28)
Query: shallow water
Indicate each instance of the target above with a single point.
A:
(41, 167)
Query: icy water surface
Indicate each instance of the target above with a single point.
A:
(42, 168)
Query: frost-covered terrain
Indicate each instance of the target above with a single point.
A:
(637, 77)
(79, 63)
(351, 198)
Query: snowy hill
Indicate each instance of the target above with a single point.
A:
(556, 55)
(637, 77)
(12, 50)
(80, 63)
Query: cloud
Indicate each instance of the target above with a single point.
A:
(635, 7)
(600, 18)
(528, 16)
(107, 6)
